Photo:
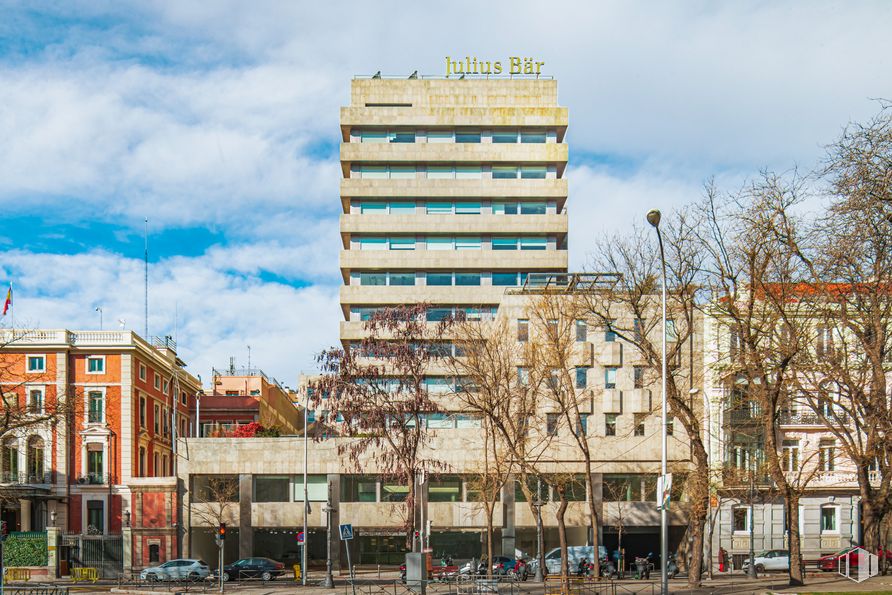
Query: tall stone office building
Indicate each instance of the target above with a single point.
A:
(453, 190)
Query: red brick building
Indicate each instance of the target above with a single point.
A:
(107, 466)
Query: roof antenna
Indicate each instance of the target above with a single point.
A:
(146, 262)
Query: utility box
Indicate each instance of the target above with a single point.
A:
(417, 574)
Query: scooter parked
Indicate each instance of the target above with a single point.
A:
(671, 566)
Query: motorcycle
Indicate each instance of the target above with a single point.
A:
(671, 566)
(519, 571)
(585, 568)
(643, 567)
(608, 569)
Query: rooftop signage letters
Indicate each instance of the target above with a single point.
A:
(471, 65)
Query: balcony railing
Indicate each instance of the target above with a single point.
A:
(8, 477)
(736, 416)
(93, 479)
(810, 418)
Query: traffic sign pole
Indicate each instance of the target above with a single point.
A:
(346, 536)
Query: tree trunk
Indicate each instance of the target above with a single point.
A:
(797, 577)
(411, 511)
(594, 518)
(562, 536)
(489, 514)
(699, 493)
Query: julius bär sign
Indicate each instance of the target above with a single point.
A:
(514, 65)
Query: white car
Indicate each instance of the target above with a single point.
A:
(177, 570)
(770, 560)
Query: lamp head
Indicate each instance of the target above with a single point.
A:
(653, 217)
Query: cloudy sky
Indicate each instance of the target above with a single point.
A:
(218, 121)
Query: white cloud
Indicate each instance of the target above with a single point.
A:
(218, 313)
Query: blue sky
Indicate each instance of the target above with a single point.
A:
(219, 122)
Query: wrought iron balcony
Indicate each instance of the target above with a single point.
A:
(15, 478)
(94, 479)
(810, 418)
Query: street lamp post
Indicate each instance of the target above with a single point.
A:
(540, 575)
(653, 217)
(328, 581)
(303, 548)
(751, 569)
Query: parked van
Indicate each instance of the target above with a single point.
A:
(574, 554)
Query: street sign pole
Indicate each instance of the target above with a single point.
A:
(347, 536)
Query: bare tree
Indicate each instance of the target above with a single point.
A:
(752, 277)
(630, 309)
(556, 317)
(378, 394)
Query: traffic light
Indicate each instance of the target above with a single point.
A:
(221, 533)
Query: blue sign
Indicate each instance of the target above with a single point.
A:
(346, 532)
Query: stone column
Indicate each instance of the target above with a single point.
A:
(127, 548)
(52, 552)
(334, 545)
(25, 514)
(509, 542)
(245, 530)
(598, 487)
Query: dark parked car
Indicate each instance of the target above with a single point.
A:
(262, 568)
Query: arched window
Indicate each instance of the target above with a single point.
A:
(10, 461)
(35, 459)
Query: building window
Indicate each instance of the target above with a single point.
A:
(445, 489)
(523, 376)
(96, 364)
(581, 331)
(581, 377)
(142, 412)
(638, 374)
(95, 467)
(582, 424)
(183, 398)
(142, 461)
(740, 518)
(533, 243)
(609, 333)
(36, 364)
(156, 465)
(523, 330)
(95, 517)
(504, 136)
(157, 420)
(154, 553)
(10, 462)
(358, 488)
(790, 455)
(95, 407)
(504, 172)
(142, 372)
(827, 454)
(829, 520)
(35, 460)
(467, 279)
(35, 400)
(671, 330)
(824, 343)
(503, 244)
(507, 279)
(610, 424)
(551, 424)
(165, 387)
(532, 136)
(609, 377)
(533, 172)
(157, 381)
(402, 279)
(467, 136)
(639, 423)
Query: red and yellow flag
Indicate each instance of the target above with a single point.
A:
(8, 302)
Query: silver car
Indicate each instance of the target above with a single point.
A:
(177, 570)
(770, 560)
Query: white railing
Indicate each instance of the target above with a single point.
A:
(64, 337)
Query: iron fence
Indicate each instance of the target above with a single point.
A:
(103, 552)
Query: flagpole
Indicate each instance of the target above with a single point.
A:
(11, 308)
